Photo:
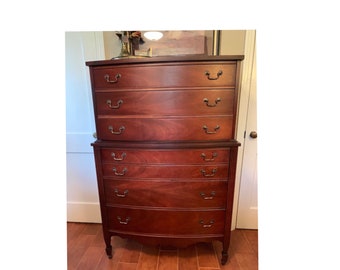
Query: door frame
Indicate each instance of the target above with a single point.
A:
(244, 90)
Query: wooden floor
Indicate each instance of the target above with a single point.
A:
(86, 251)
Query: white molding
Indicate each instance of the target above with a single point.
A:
(83, 212)
(82, 193)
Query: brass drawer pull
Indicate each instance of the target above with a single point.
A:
(213, 155)
(109, 104)
(121, 129)
(219, 73)
(107, 78)
(205, 128)
(119, 173)
(118, 158)
(212, 195)
(117, 194)
(123, 222)
(206, 101)
(209, 225)
(205, 174)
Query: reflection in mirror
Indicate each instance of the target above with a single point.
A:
(217, 42)
(163, 43)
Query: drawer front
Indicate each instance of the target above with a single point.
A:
(126, 171)
(165, 76)
(181, 194)
(188, 102)
(165, 129)
(162, 156)
(166, 221)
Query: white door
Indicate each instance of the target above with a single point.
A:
(247, 211)
(82, 191)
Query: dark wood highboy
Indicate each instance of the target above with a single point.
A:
(166, 151)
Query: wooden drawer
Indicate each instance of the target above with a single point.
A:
(188, 102)
(152, 221)
(126, 171)
(165, 129)
(181, 194)
(164, 76)
(165, 156)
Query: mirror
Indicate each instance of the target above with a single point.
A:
(208, 42)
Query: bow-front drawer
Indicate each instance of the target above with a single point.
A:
(165, 129)
(165, 156)
(165, 221)
(186, 102)
(164, 76)
(126, 171)
(163, 193)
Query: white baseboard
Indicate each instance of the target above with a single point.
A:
(83, 212)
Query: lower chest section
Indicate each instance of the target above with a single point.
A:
(178, 190)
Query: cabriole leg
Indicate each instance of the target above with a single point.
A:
(109, 251)
(108, 248)
(224, 257)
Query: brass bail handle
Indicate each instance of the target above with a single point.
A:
(121, 130)
(219, 73)
(109, 104)
(107, 78)
(205, 128)
(206, 101)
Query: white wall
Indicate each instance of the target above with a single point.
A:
(82, 192)
(232, 42)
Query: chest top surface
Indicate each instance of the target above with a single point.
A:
(164, 59)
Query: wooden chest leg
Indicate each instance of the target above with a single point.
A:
(109, 251)
(108, 248)
(224, 257)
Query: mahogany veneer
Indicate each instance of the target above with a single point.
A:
(166, 151)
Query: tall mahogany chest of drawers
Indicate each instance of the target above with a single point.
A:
(166, 151)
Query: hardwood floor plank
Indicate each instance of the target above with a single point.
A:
(107, 264)
(127, 266)
(252, 238)
(187, 258)
(251, 235)
(90, 259)
(84, 240)
(247, 261)
(118, 248)
(92, 228)
(86, 250)
(74, 230)
(148, 259)
(118, 242)
(131, 252)
(73, 256)
(168, 260)
(239, 243)
(206, 255)
(99, 239)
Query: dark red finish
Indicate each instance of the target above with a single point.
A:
(184, 193)
(165, 102)
(166, 153)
